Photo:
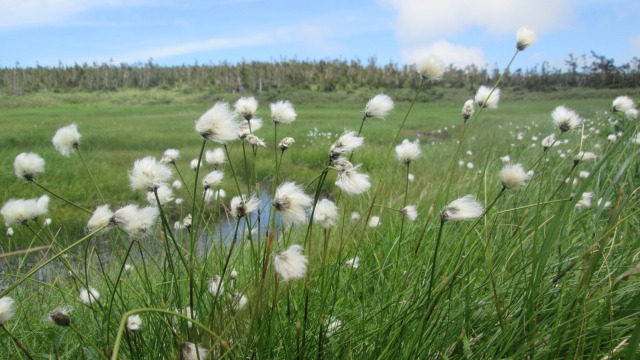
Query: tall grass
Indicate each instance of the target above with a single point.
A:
(539, 274)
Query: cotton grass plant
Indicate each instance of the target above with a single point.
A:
(520, 256)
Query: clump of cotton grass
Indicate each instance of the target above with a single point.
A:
(10, 232)
(282, 112)
(134, 323)
(101, 218)
(565, 119)
(584, 156)
(352, 263)
(215, 158)
(216, 287)
(137, 222)
(431, 69)
(290, 264)
(66, 139)
(191, 351)
(291, 203)
(513, 176)
(525, 37)
(355, 217)
(170, 156)
(148, 174)
(487, 97)
(218, 124)
(351, 181)
(20, 211)
(7, 310)
(326, 213)
(348, 142)
(247, 107)
(165, 196)
(88, 296)
(243, 205)
(410, 212)
(505, 159)
(464, 208)
(631, 114)
(379, 106)
(467, 109)
(27, 165)
(213, 179)
(622, 104)
(408, 151)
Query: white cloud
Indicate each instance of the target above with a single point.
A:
(458, 55)
(420, 20)
(20, 13)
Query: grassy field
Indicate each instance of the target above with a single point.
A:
(531, 278)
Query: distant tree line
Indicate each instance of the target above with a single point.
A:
(594, 71)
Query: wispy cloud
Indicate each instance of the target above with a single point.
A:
(23, 13)
(458, 55)
(197, 47)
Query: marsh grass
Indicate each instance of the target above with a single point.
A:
(531, 278)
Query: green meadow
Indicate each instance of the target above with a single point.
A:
(533, 277)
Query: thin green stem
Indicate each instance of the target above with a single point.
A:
(93, 181)
(61, 198)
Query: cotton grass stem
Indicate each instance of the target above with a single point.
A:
(61, 198)
(93, 181)
(17, 342)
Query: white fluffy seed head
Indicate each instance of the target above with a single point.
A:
(379, 106)
(88, 296)
(586, 200)
(66, 139)
(348, 142)
(513, 176)
(290, 264)
(134, 323)
(468, 109)
(165, 195)
(101, 218)
(148, 174)
(191, 351)
(255, 141)
(355, 217)
(286, 143)
(410, 212)
(241, 205)
(282, 112)
(292, 203)
(374, 221)
(525, 37)
(622, 104)
(485, 98)
(7, 310)
(565, 119)
(138, 223)
(464, 208)
(215, 157)
(584, 156)
(549, 141)
(218, 124)
(19, 212)
(408, 151)
(170, 156)
(216, 287)
(213, 179)
(247, 107)
(239, 301)
(28, 165)
(352, 263)
(431, 69)
(326, 213)
(352, 182)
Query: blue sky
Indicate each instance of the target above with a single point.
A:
(176, 32)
